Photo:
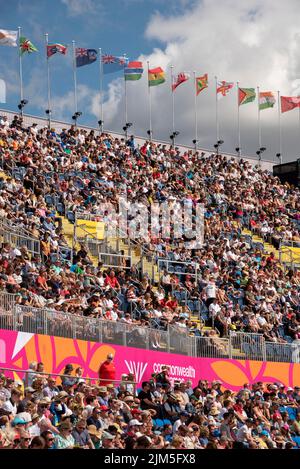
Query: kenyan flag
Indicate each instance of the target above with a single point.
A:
(246, 95)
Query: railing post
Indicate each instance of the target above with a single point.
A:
(74, 326)
(147, 339)
(45, 320)
(264, 350)
(229, 347)
(125, 335)
(168, 339)
(100, 330)
(14, 317)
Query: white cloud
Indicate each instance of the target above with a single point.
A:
(79, 7)
(253, 42)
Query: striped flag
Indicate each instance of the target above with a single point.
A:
(54, 48)
(181, 78)
(156, 76)
(133, 71)
(266, 100)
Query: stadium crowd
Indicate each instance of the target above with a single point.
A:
(68, 412)
(238, 286)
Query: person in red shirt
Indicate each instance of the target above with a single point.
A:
(107, 371)
(112, 281)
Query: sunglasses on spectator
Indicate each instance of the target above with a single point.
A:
(50, 439)
(26, 439)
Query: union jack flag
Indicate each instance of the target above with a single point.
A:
(109, 59)
(80, 52)
(112, 63)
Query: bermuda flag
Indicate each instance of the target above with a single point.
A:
(54, 48)
(223, 88)
(289, 102)
(181, 78)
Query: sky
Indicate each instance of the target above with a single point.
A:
(253, 42)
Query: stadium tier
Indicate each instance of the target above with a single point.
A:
(176, 344)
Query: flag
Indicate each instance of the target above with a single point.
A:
(289, 102)
(266, 100)
(223, 88)
(133, 71)
(112, 64)
(156, 76)
(2, 91)
(26, 46)
(8, 38)
(201, 83)
(85, 56)
(53, 48)
(246, 95)
(181, 78)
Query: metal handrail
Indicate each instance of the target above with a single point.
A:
(239, 345)
(59, 375)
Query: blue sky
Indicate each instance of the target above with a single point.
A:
(254, 42)
(117, 26)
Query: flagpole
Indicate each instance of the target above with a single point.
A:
(75, 79)
(125, 96)
(20, 71)
(48, 83)
(195, 109)
(279, 127)
(259, 128)
(217, 116)
(150, 108)
(173, 102)
(238, 119)
(100, 88)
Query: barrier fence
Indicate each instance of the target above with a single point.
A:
(9, 372)
(173, 340)
(19, 239)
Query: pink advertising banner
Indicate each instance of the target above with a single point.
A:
(18, 349)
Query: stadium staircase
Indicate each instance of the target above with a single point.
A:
(87, 230)
(288, 256)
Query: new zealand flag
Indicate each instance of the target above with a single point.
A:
(85, 56)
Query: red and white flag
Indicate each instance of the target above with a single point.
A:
(223, 88)
(289, 102)
(181, 78)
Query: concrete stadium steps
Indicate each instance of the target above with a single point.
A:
(287, 255)
(257, 239)
(68, 231)
(149, 268)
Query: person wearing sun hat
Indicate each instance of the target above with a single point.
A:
(95, 435)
